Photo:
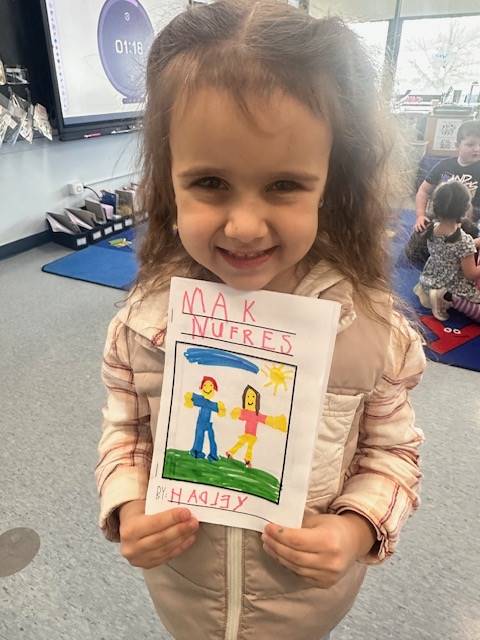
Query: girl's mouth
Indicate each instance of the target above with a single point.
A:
(246, 259)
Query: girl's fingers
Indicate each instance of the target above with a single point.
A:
(141, 553)
(173, 535)
(321, 578)
(163, 521)
(299, 539)
(165, 554)
(300, 559)
(305, 572)
(295, 545)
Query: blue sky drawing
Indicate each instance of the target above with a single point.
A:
(219, 358)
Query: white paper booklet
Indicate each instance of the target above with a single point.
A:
(244, 383)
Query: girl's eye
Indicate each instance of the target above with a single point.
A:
(284, 185)
(209, 182)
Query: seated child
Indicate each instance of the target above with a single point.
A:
(465, 168)
(448, 278)
(416, 249)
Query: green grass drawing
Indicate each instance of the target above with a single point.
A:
(227, 473)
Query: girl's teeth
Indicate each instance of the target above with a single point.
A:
(246, 255)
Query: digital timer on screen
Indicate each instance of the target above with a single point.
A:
(129, 48)
(125, 34)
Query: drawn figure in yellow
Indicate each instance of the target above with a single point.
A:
(250, 414)
(208, 387)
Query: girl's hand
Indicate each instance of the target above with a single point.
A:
(149, 541)
(324, 548)
(421, 223)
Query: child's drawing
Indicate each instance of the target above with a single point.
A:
(204, 425)
(242, 393)
(250, 414)
(228, 426)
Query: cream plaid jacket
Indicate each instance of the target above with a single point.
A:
(366, 460)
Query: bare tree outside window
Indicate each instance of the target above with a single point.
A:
(437, 54)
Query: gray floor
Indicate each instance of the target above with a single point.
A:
(78, 586)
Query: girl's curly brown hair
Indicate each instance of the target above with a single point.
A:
(257, 47)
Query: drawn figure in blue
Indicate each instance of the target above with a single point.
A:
(208, 388)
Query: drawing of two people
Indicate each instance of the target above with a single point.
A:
(249, 413)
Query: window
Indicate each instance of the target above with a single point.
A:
(374, 36)
(440, 58)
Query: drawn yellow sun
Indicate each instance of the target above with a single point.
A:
(277, 377)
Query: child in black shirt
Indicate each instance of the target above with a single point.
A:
(465, 168)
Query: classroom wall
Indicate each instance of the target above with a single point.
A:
(33, 178)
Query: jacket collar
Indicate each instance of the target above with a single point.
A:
(146, 315)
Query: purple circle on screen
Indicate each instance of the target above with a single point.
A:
(125, 34)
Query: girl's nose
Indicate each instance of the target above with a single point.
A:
(246, 224)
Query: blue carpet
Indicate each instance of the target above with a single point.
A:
(460, 348)
(100, 263)
(116, 267)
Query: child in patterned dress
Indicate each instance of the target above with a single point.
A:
(450, 275)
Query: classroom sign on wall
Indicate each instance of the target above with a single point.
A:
(244, 383)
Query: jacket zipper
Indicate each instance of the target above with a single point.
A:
(234, 581)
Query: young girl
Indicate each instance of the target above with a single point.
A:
(448, 278)
(264, 168)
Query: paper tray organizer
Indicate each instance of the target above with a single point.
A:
(82, 240)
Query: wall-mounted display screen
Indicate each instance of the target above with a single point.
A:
(98, 54)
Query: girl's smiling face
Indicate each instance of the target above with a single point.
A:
(248, 193)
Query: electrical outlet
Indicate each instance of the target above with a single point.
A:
(75, 188)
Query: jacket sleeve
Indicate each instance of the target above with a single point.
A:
(383, 480)
(125, 449)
